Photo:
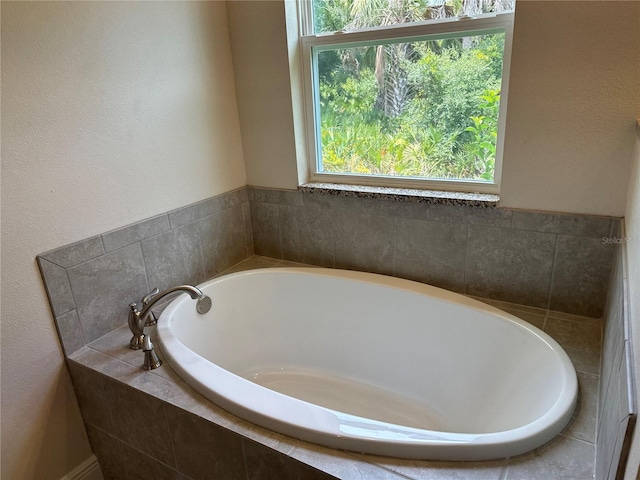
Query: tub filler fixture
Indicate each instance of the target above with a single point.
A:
(373, 364)
(138, 319)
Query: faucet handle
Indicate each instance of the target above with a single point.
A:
(151, 318)
(136, 327)
(147, 298)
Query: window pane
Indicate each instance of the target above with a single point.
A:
(419, 109)
(333, 15)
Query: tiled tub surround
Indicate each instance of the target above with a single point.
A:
(617, 408)
(546, 260)
(90, 284)
(153, 420)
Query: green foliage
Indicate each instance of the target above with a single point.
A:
(481, 149)
(331, 15)
(451, 84)
(447, 127)
(348, 97)
(373, 13)
(427, 109)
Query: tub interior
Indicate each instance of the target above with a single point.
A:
(348, 395)
(308, 338)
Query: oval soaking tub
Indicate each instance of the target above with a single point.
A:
(371, 363)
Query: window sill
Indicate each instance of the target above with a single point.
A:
(481, 200)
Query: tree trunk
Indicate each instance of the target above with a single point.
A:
(472, 7)
(393, 81)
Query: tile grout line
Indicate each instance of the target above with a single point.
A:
(137, 450)
(505, 471)
(466, 261)
(248, 235)
(166, 421)
(553, 272)
(205, 274)
(279, 225)
(393, 245)
(466, 258)
(144, 264)
(244, 458)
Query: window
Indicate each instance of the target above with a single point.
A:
(406, 93)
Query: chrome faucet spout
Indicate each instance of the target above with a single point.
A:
(138, 318)
(194, 292)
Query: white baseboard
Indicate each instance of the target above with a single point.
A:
(87, 470)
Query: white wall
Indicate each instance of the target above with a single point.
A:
(111, 112)
(574, 95)
(258, 44)
(573, 98)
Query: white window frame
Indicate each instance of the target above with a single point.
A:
(311, 43)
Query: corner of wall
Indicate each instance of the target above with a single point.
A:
(632, 222)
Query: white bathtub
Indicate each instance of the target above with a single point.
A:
(371, 363)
